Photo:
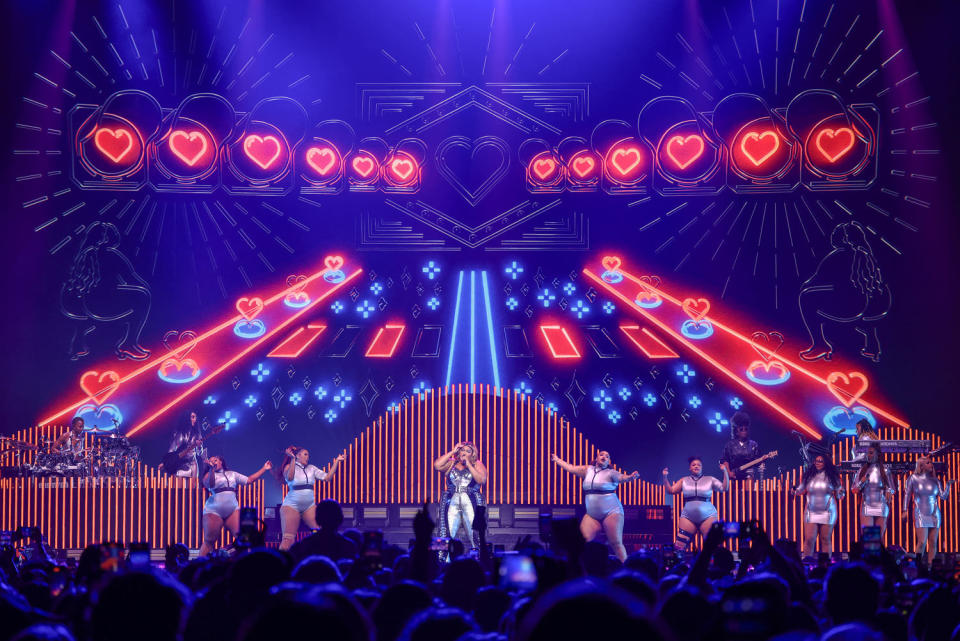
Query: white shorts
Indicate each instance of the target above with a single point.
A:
(300, 500)
(222, 504)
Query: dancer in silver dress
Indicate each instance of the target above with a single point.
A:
(465, 474)
(821, 485)
(221, 507)
(875, 484)
(604, 510)
(925, 490)
(698, 513)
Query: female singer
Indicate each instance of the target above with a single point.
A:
(821, 485)
(874, 482)
(925, 489)
(221, 507)
(301, 501)
(604, 510)
(698, 512)
(465, 474)
(865, 435)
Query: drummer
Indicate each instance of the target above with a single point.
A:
(71, 441)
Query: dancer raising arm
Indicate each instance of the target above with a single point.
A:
(301, 501)
(698, 513)
(604, 510)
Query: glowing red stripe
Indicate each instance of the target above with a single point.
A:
(294, 344)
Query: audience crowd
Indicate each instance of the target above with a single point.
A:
(346, 585)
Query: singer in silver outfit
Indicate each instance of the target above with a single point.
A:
(875, 485)
(698, 513)
(464, 475)
(924, 490)
(604, 510)
(822, 487)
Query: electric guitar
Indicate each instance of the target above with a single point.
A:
(173, 459)
(757, 461)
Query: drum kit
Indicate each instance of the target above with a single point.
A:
(107, 456)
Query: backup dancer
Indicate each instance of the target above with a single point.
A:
(465, 473)
(698, 513)
(300, 503)
(604, 510)
(221, 507)
(925, 489)
(874, 482)
(821, 485)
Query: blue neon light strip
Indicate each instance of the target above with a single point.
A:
(493, 347)
(453, 338)
(473, 331)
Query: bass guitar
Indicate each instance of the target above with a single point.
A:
(739, 472)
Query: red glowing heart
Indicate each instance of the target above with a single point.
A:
(766, 344)
(625, 159)
(647, 296)
(759, 147)
(653, 281)
(583, 165)
(99, 387)
(611, 263)
(322, 159)
(684, 150)
(183, 345)
(263, 150)
(835, 143)
(188, 147)
(844, 387)
(544, 167)
(778, 368)
(296, 282)
(297, 297)
(402, 168)
(696, 308)
(177, 364)
(115, 144)
(333, 263)
(250, 308)
(363, 165)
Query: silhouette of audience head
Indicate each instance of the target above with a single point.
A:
(329, 515)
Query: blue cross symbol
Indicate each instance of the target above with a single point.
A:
(614, 416)
(686, 373)
(209, 400)
(736, 403)
(650, 399)
(580, 308)
(609, 307)
(261, 372)
(431, 269)
(522, 388)
(337, 307)
(514, 270)
(419, 389)
(433, 303)
(624, 392)
(546, 297)
(342, 398)
(603, 398)
(330, 415)
(718, 421)
(376, 288)
(295, 398)
(569, 288)
(512, 303)
(250, 400)
(695, 401)
(227, 419)
(320, 392)
(365, 308)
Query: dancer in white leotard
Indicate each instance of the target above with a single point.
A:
(604, 510)
(221, 507)
(698, 513)
(300, 501)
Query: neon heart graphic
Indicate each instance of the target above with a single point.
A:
(99, 386)
(583, 165)
(767, 372)
(402, 168)
(544, 167)
(683, 151)
(297, 297)
(759, 147)
(173, 364)
(250, 308)
(696, 308)
(765, 340)
(611, 263)
(183, 345)
(653, 281)
(296, 282)
(333, 263)
(844, 387)
(625, 159)
(322, 159)
(647, 298)
(115, 144)
(835, 143)
(363, 165)
(188, 147)
(263, 150)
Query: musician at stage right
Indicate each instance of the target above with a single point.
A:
(925, 489)
(875, 484)
(71, 441)
(823, 489)
(740, 449)
(187, 438)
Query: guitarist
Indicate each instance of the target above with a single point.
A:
(740, 449)
(186, 437)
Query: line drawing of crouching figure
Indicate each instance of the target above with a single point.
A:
(846, 288)
(103, 288)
